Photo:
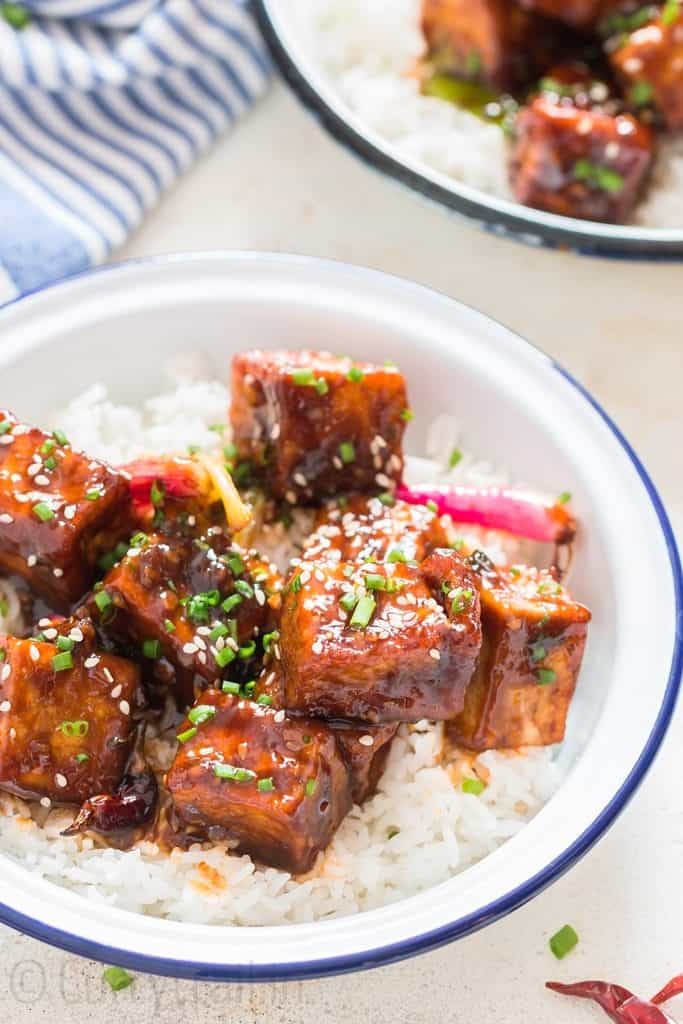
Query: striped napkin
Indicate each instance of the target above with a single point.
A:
(103, 104)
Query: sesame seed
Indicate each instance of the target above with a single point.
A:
(91, 661)
(279, 716)
(190, 648)
(6, 519)
(31, 561)
(366, 741)
(107, 675)
(58, 573)
(382, 480)
(6, 439)
(612, 150)
(117, 690)
(4, 675)
(436, 655)
(300, 480)
(34, 469)
(200, 644)
(6, 705)
(76, 635)
(317, 647)
(290, 496)
(12, 733)
(42, 480)
(69, 511)
(275, 432)
(337, 462)
(60, 780)
(191, 520)
(44, 623)
(34, 653)
(260, 596)
(45, 801)
(50, 633)
(201, 657)
(124, 707)
(205, 630)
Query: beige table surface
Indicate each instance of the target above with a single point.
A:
(279, 184)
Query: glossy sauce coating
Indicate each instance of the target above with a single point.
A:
(66, 734)
(307, 795)
(313, 425)
(578, 13)
(651, 60)
(409, 662)
(59, 510)
(534, 639)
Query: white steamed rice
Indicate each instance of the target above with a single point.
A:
(368, 49)
(441, 830)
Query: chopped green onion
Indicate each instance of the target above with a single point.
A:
(169, 626)
(4, 606)
(3, 654)
(202, 713)
(387, 498)
(396, 555)
(269, 639)
(265, 785)
(563, 498)
(78, 728)
(458, 544)
(670, 12)
(47, 446)
(188, 734)
(231, 602)
(139, 540)
(94, 495)
(64, 643)
(455, 458)
(355, 375)
(598, 176)
(218, 428)
(235, 563)
(151, 649)
(157, 494)
(265, 699)
(303, 378)
(82, 757)
(311, 787)
(60, 437)
(373, 581)
(432, 506)
(63, 662)
(546, 676)
(563, 942)
(117, 978)
(50, 463)
(321, 386)
(347, 452)
(363, 612)
(230, 451)
(247, 651)
(349, 600)
(233, 774)
(225, 656)
(43, 512)
(407, 415)
(294, 585)
(217, 632)
(230, 687)
(5, 428)
(641, 94)
(538, 652)
(244, 588)
(475, 787)
(248, 688)
(103, 601)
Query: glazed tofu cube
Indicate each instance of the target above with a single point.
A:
(534, 639)
(367, 528)
(194, 608)
(577, 13)
(59, 509)
(372, 642)
(649, 63)
(277, 785)
(489, 41)
(580, 163)
(66, 730)
(313, 425)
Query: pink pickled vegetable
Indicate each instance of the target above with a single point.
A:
(498, 508)
(176, 477)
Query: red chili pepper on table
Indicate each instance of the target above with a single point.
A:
(619, 1003)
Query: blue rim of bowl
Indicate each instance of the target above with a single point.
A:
(434, 939)
(528, 226)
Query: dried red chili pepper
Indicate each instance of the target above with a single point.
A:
(619, 1003)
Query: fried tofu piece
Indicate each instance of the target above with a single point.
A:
(371, 642)
(313, 425)
(493, 42)
(534, 639)
(195, 608)
(364, 747)
(367, 528)
(580, 163)
(649, 63)
(277, 785)
(579, 14)
(59, 509)
(66, 730)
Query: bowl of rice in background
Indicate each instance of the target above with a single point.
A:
(350, 62)
(134, 359)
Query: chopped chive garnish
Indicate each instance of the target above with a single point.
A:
(670, 12)
(265, 785)
(347, 452)
(598, 176)
(63, 662)
(157, 494)
(294, 585)
(225, 656)
(475, 787)
(103, 600)
(117, 978)
(82, 757)
(321, 386)
(60, 437)
(311, 787)
(231, 602)
(387, 498)
(265, 699)
(139, 540)
(5, 428)
(349, 601)
(373, 581)
(538, 652)
(151, 649)
(188, 734)
(363, 612)
(169, 626)
(407, 415)
(229, 771)
(248, 650)
(303, 378)
(47, 446)
(455, 458)
(461, 600)
(458, 544)
(563, 942)
(3, 654)
(546, 676)
(50, 463)
(4, 606)
(355, 375)
(94, 495)
(248, 688)
(64, 643)
(217, 632)
(244, 588)
(43, 512)
(269, 639)
(230, 451)
(432, 506)
(202, 713)
(564, 497)
(396, 555)
(230, 687)
(78, 728)
(218, 428)
(235, 563)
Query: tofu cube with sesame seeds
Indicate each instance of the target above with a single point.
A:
(373, 642)
(493, 42)
(277, 785)
(66, 726)
(194, 608)
(534, 639)
(365, 528)
(649, 63)
(580, 163)
(59, 510)
(313, 425)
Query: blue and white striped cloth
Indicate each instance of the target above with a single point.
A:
(103, 104)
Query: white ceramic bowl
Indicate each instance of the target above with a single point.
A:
(119, 325)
